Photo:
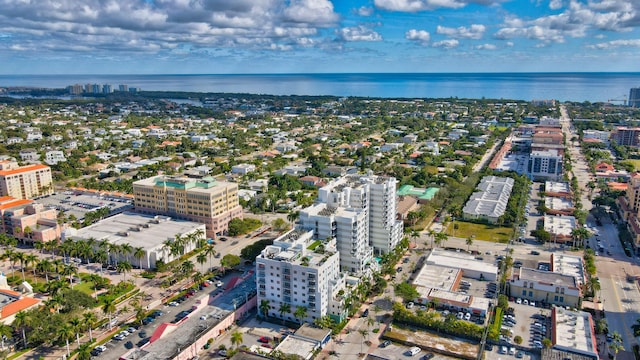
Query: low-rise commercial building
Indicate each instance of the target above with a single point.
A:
(545, 287)
(471, 268)
(574, 332)
(560, 227)
(29, 222)
(149, 233)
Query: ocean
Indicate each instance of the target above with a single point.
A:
(593, 87)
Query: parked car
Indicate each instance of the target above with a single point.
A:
(534, 252)
(263, 339)
(414, 350)
(385, 343)
(174, 303)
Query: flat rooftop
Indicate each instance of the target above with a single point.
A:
(556, 203)
(559, 225)
(547, 277)
(558, 187)
(152, 230)
(451, 297)
(573, 331)
(568, 265)
(460, 260)
(436, 276)
(78, 203)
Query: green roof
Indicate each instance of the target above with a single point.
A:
(422, 194)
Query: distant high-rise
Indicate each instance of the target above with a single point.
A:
(107, 89)
(123, 88)
(97, 89)
(634, 97)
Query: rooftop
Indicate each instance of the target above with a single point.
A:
(460, 260)
(436, 276)
(146, 231)
(568, 265)
(573, 331)
(559, 225)
(547, 277)
(420, 193)
(557, 187)
(555, 203)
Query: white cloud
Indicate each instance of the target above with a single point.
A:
(423, 5)
(358, 33)
(555, 4)
(420, 36)
(142, 25)
(446, 44)
(615, 44)
(486, 47)
(475, 31)
(364, 11)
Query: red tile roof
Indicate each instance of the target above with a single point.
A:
(23, 169)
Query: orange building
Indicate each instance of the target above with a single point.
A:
(28, 221)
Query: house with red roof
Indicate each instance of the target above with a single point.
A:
(12, 302)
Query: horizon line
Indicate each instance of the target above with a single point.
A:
(325, 73)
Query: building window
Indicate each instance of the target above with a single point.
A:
(530, 294)
(561, 298)
(524, 292)
(555, 298)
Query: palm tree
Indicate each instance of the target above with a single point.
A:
(594, 285)
(197, 278)
(469, 242)
(414, 235)
(84, 352)
(210, 251)
(264, 308)
(201, 258)
(284, 309)
(66, 332)
(31, 259)
(300, 313)
(139, 253)
(69, 270)
(186, 268)
(77, 326)
(236, 338)
(364, 333)
(126, 250)
(109, 307)
(90, 319)
(440, 238)
(124, 267)
(20, 322)
(114, 249)
(616, 343)
(10, 254)
(293, 216)
(21, 257)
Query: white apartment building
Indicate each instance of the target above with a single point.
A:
(545, 164)
(288, 272)
(349, 227)
(377, 196)
(243, 169)
(597, 135)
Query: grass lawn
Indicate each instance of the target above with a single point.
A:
(85, 286)
(480, 231)
(634, 162)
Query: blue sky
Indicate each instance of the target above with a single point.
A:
(317, 36)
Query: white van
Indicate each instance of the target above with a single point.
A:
(414, 350)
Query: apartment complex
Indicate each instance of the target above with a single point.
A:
(629, 206)
(625, 135)
(349, 227)
(376, 195)
(29, 222)
(293, 273)
(24, 182)
(547, 151)
(491, 199)
(206, 200)
(634, 97)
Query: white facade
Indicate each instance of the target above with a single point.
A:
(287, 272)
(53, 157)
(243, 169)
(349, 227)
(596, 134)
(545, 164)
(377, 196)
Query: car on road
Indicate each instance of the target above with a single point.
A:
(223, 239)
(534, 252)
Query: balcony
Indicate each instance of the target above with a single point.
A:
(287, 277)
(287, 299)
(286, 285)
(262, 287)
(311, 277)
(286, 271)
(312, 283)
(287, 292)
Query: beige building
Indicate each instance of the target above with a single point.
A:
(24, 182)
(545, 287)
(206, 201)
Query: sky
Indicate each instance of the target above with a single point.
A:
(317, 36)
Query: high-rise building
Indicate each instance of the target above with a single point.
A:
(206, 201)
(349, 227)
(290, 273)
(123, 87)
(634, 97)
(545, 164)
(374, 194)
(24, 182)
(625, 135)
(107, 89)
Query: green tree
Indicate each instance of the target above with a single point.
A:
(109, 307)
(236, 338)
(230, 261)
(469, 242)
(284, 309)
(616, 344)
(364, 333)
(90, 319)
(124, 267)
(264, 308)
(84, 351)
(300, 313)
(406, 291)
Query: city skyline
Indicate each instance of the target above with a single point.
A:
(317, 36)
